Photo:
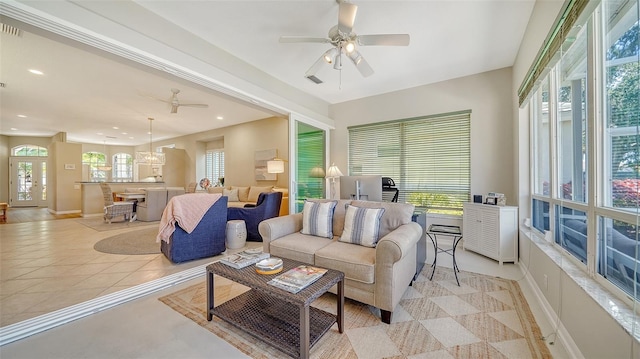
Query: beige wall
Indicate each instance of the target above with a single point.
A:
(63, 192)
(487, 95)
(239, 142)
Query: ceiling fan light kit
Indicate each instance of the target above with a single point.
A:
(343, 39)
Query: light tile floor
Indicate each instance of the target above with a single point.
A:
(49, 265)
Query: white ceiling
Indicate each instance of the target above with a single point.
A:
(83, 93)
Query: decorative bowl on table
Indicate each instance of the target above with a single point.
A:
(269, 266)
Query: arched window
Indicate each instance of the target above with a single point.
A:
(30, 151)
(95, 160)
(122, 167)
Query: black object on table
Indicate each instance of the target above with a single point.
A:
(444, 230)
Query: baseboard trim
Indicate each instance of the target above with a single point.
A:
(74, 211)
(29, 327)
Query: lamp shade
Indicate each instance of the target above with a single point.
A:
(317, 172)
(334, 171)
(275, 166)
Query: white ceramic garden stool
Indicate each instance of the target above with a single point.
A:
(236, 234)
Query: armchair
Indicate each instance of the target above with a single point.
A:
(114, 209)
(268, 206)
(206, 240)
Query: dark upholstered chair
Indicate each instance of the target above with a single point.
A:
(267, 206)
(206, 240)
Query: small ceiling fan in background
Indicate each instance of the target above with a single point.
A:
(345, 41)
(175, 103)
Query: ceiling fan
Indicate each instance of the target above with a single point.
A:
(175, 103)
(345, 41)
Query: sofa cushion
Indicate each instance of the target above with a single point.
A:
(317, 218)
(298, 246)
(215, 190)
(362, 226)
(254, 192)
(395, 214)
(243, 193)
(232, 194)
(357, 262)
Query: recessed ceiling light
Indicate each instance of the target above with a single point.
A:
(99, 133)
(220, 118)
(14, 129)
(115, 127)
(131, 138)
(22, 116)
(37, 72)
(124, 133)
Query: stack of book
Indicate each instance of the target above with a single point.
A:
(298, 278)
(244, 258)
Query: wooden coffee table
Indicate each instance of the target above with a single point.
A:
(275, 316)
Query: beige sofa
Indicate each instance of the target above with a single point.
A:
(150, 208)
(249, 195)
(376, 276)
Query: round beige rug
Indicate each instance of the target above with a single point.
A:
(141, 241)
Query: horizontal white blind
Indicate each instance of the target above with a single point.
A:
(214, 165)
(428, 158)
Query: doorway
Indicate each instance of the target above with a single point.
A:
(28, 181)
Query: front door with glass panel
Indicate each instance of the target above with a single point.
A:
(28, 181)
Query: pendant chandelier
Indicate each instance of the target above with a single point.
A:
(150, 158)
(105, 166)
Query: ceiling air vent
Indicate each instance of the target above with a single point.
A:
(8, 29)
(314, 79)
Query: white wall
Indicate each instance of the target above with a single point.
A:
(487, 95)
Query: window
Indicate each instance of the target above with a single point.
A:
(428, 158)
(586, 184)
(30, 151)
(214, 166)
(541, 132)
(122, 170)
(94, 160)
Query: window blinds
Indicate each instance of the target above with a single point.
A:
(427, 157)
(547, 56)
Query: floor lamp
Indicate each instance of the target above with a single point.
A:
(333, 172)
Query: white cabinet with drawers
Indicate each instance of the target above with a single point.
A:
(491, 231)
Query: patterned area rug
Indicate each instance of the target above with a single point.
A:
(486, 317)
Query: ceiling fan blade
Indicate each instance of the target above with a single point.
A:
(361, 64)
(174, 109)
(384, 40)
(311, 73)
(315, 67)
(294, 39)
(346, 17)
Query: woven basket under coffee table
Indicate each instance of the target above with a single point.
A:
(275, 316)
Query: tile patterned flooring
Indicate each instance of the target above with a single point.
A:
(47, 265)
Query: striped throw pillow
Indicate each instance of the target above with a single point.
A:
(362, 226)
(317, 218)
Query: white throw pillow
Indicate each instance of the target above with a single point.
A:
(362, 226)
(317, 218)
(232, 194)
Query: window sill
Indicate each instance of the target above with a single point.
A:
(618, 309)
